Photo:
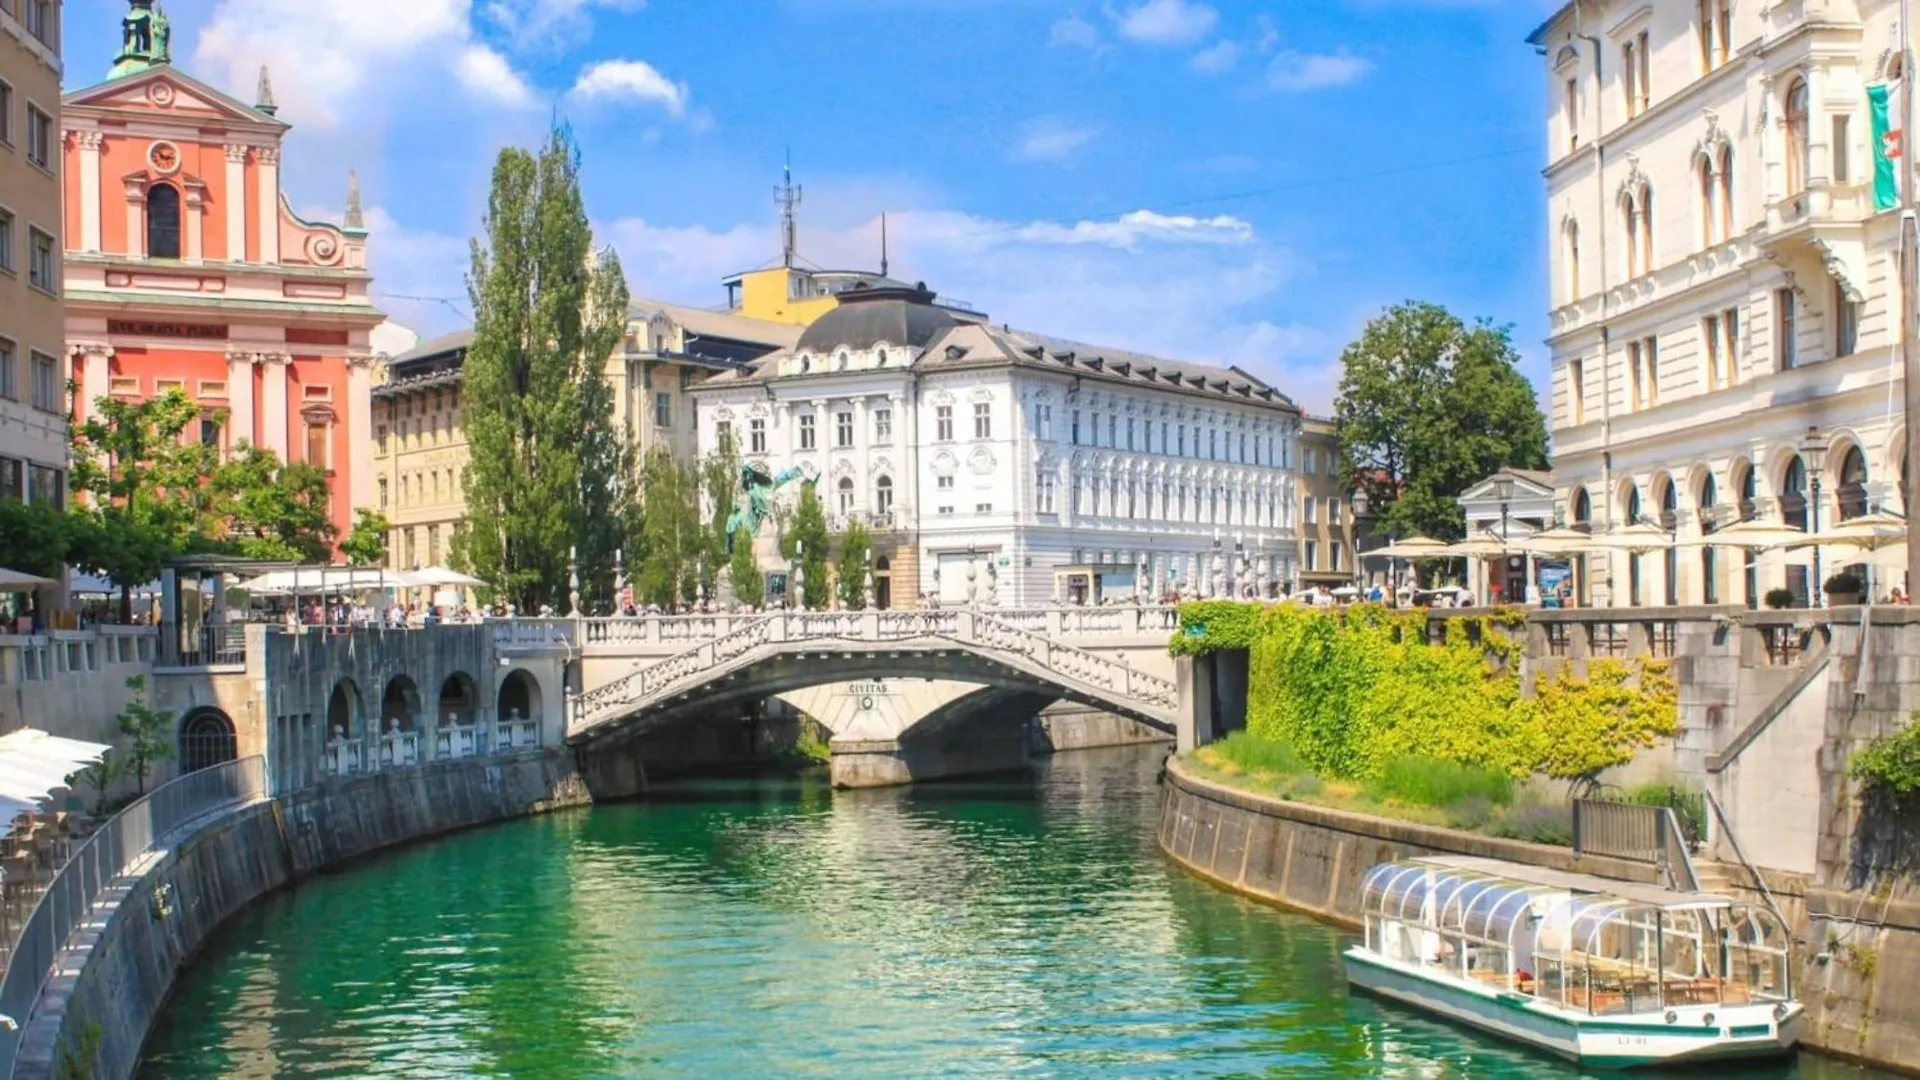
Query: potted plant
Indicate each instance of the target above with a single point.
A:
(1778, 599)
(1844, 589)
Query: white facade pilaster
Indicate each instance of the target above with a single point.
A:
(235, 199)
(89, 143)
(240, 423)
(267, 169)
(276, 370)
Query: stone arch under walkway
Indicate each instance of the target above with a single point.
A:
(519, 697)
(207, 738)
(400, 705)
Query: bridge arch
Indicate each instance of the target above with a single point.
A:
(400, 705)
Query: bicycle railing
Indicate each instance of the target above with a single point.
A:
(119, 842)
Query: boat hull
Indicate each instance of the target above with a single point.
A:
(1739, 1031)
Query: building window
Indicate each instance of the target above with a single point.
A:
(6, 243)
(1726, 193)
(943, 423)
(1213, 444)
(1709, 218)
(1846, 322)
(883, 427)
(39, 137)
(1333, 555)
(1577, 392)
(1842, 160)
(982, 420)
(806, 431)
(46, 486)
(662, 410)
(1710, 350)
(40, 261)
(1183, 440)
(943, 482)
(9, 371)
(1636, 74)
(46, 383)
(1730, 344)
(163, 222)
(1570, 103)
(883, 495)
(983, 508)
(1043, 490)
(1785, 329)
(1799, 150)
(843, 429)
(209, 432)
(1570, 256)
(843, 495)
(6, 113)
(1076, 427)
(757, 435)
(1113, 427)
(1310, 510)
(383, 493)
(317, 445)
(1312, 559)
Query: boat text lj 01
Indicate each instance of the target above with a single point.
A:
(1607, 974)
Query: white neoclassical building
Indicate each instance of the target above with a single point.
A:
(997, 466)
(1724, 286)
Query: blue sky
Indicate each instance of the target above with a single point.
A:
(1229, 180)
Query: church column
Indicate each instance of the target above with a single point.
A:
(236, 200)
(240, 399)
(94, 376)
(267, 159)
(89, 143)
(359, 439)
(277, 368)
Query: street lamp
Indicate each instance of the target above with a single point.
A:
(1361, 504)
(1503, 490)
(1813, 449)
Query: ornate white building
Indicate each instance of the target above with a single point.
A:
(1724, 289)
(1003, 467)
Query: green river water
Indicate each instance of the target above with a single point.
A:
(1026, 926)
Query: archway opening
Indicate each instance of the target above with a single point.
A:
(345, 711)
(458, 700)
(1709, 521)
(400, 705)
(519, 697)
(1852, 493)
(206, 739)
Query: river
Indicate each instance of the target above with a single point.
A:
(1025, 926)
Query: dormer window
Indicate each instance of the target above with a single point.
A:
(163, 222)
(840, 360)
(880, 357)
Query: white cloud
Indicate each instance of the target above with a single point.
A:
(1200, 282)
(1166, 22)
(550, 22)
(487, 75)
(1217, 59)
(1050, 138)
(1294, 72)
(630, 80)
(323, 55)
(1074, 32)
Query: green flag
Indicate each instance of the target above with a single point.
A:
(1888, 148)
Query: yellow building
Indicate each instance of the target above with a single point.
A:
(420, 452)
(1325, 514)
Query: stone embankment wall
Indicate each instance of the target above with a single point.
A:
(93, 1019)
(1857, 950)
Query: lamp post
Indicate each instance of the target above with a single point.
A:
(973, 574)
(1503, 489)
(1239, 564)
(1361, 504)
(1813, 448)
(1215, 568)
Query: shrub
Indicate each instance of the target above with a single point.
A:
(1844, 582)
(1890, 764)
(1433, 782)
(1586, 726)
(1779, 599)
(1210, 625)
(1688, 805)
(1256, 754)
(1537, 823)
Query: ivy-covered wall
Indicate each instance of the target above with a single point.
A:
(1353, 688)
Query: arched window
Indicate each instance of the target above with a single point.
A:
(1630, 222)
(1582, 510)
(1853, 484)
(1793, 494)
(1709, 565)
(1669, 517)
(1726, 192)
(163, 222)
(1747, 484)
(883, 495)
(843, 492)
(1570, 252)
(1633, 557)
(206, 740)
(1799, 147)
(1709, 214)
(1647, 260)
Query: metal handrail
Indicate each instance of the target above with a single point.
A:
(119, 842)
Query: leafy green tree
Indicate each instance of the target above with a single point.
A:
(543, 482)
(149, 733)
(35, 537)
(270, 509)
(719, 492)
(1427, 407)
(366, 545)
(145, 485)
(806, 540)
(743, 570)
(671, 538)
(856, 544)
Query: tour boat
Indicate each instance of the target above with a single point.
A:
(1606, 974)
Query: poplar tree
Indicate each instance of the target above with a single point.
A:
(545, 479)
(743, 570)
(851, 570)
(807, 540)
(672, 539)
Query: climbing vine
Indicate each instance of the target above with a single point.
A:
(1890, 764)
(1355, 688)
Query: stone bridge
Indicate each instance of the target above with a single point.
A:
(955, 687)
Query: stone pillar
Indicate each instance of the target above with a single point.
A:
(267, 160)
(1193, 718)
(89, 143)
(95, 377)
(862, 458)
(136, 193)
(240, 398)
(234, 194)
(359, 438)
(196, 215)
(273, 410)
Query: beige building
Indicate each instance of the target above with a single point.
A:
(33, 375)
(420, 451)
(1325, 514)
(1725, 296)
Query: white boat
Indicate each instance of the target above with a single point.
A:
(1607, 974)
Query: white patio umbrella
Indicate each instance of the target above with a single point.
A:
(1413, 547)
(1636, 539)
(18, 581)
(33, 764)
(440, 577)
(1868, 532)
(1556, 541)
(1752, 535)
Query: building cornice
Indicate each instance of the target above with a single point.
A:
(40, 50)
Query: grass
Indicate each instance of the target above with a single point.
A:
(1426, 791)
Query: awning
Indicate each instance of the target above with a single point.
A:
(329, 579)
(17, 581)
(34, 763)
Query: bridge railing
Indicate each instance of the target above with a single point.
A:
(119, 842)
(668, 630)
(980, 628)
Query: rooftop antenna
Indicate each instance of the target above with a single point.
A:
(788, 196)
(883, 243)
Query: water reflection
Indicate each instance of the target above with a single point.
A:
(1023, 926)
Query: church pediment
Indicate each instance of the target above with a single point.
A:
(165, 92)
